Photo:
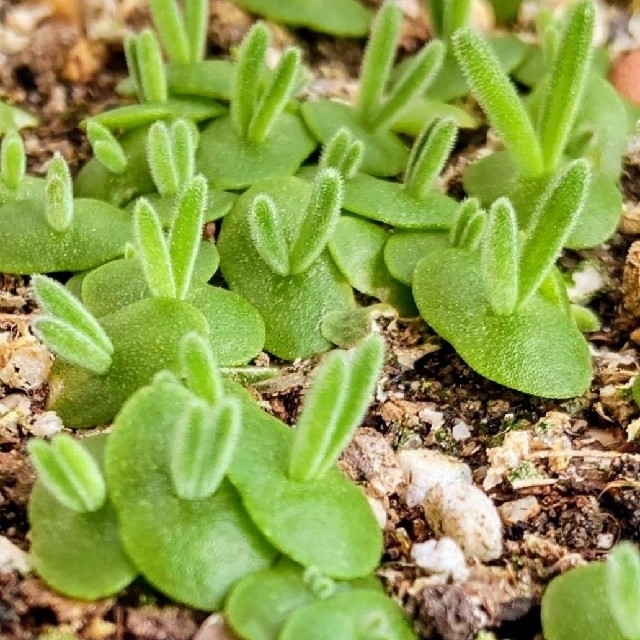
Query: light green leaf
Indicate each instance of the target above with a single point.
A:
(13, 160)
(200, 370)
(623, 578)
(556, 214)
(196, 22)
(378, 59)
(152, 74)
(499, 100)
(58, 199)
(169, 23)
(184, 142)
(69, 472)
(186, 233)
(343, 152)
(319, 222)
(161, 160)
(267, 234)
(499, 255)
(106, 147)
(58, 302)
(469, 223)
(251, 56)
(152, 250)
(203, 445)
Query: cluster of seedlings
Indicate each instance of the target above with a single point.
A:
(182, 491)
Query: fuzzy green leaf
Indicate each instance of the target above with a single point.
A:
(553, 219)
(417, 77)
(56, 300)
(58, 197)
(184, 142)
(203, 445)
(469, 223)
(623, 577)
(343, 152)
(69, 472)
(498, 99)
(186, 233)
(566, 84)
(275, 96)
(106, 147)
(196, 22)
(161, 160)
(153, 251)
(72, 345)
(251, 56)
(132, 57)
(199, 368)
(151, 67)
(265, 227)
(13, 160)
(169, 23)
(428, 156)
(455, 15)
(333, 407)
(499, 255)
(319, 222)
(378, 59)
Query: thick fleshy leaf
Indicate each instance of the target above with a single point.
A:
(78, 554)
(169, 23)
(217, 542)
(267, 234)
(69, 472)
(13, 160)
(576, 605)
(58, 195)
(199, 369)
(160, 158)
(404, 249)
(622, 577)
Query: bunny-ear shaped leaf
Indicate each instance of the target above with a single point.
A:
(77, 552)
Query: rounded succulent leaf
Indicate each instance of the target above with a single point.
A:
(191, 550)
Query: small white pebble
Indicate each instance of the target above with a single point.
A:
(460, 431)
(12, 558)
(434, 418)
(605, 540)
(463, 512)
(442, 556)
(46, 425)
(424, 469)
(214, 628)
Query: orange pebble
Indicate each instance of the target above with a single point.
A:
(625, 76)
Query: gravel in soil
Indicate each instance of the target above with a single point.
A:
(563, 475)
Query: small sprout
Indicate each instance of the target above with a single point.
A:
(267, 234)
(58, 200)
(467, 229)
(13, 160)
(144, 60)
(106, 148)
(377, 106)
(334, 407)
(321, 585)
(171, 155)
(343, 152)
(199, 369)
(258, 139)
(204, 443)
(183, 34)
(69, 472)
(69, 329)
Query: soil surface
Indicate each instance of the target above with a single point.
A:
(563, 474)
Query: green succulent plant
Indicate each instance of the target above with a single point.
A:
(273, 252)
(258, 139)
(495, 295)
(102, 363)
(597, 600)
(535, 150)
(43, 228)
(370, 119)
(75, 544)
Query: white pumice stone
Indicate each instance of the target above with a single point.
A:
(443, 557)
(466, 514)
(424, 469)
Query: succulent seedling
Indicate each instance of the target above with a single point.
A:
(13, 118)
(273, 252)
(260, 604)
(43, 228)
(75, 544)
(345, 17)
(370, 119)
(142, 337)
(171, 156)
(535, 151)
(146, 68)
(182, 523)
(322, 520)
(258, 139)
(596, 600)
(503, 306)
